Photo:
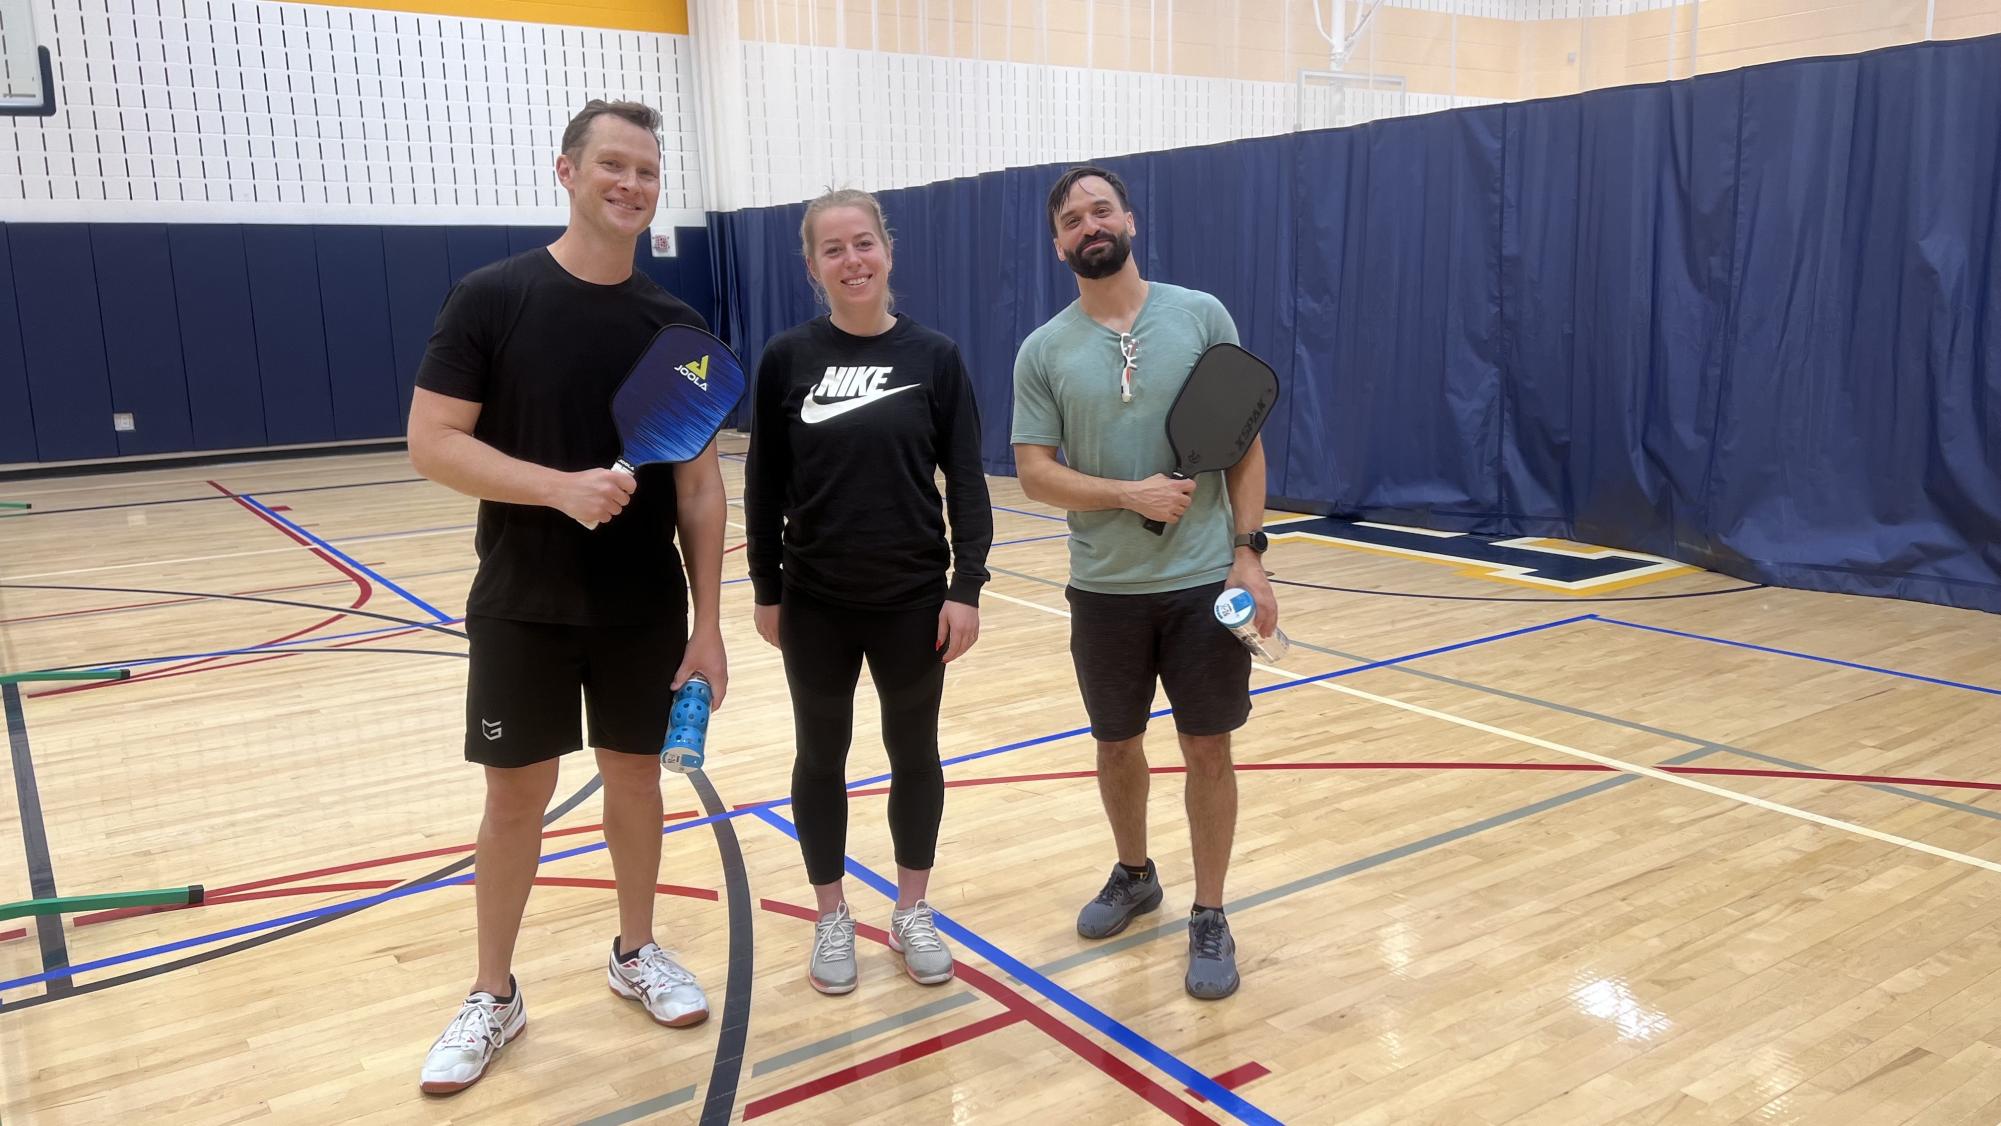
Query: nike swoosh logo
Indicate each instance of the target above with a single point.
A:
(813, 410)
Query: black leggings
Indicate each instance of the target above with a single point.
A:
(824, 647)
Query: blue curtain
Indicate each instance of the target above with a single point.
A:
(1751, 321)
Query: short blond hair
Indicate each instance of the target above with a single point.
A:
(839, 197)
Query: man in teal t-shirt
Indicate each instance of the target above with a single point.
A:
(1096, 382)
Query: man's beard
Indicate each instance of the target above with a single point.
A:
(1100, 263)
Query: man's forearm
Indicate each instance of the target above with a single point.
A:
(1246, 484)
(465, 464)
(700, 520)
(1054, 483)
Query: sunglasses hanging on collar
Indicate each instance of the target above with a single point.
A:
(1128, 348)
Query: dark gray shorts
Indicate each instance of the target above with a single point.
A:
(1123, 643)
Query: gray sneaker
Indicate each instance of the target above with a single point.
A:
(832, 967)
(914, 934)
(1212, 957)
(1123, 898)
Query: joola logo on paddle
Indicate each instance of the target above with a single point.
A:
(697, 372)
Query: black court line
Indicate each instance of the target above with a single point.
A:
(414, 623)
(255, 941)
(200, 500)
(34, 835)
(1572, 600)
(190, 460)
(720, 1104)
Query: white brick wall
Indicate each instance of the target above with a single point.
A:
(235, 110)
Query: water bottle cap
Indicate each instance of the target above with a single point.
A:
(1235, 606)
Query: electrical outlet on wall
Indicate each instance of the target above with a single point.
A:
(123, 423)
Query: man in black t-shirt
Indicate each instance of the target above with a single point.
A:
(513, 406)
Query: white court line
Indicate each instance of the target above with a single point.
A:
(1602, 760)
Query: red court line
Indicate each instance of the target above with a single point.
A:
(341, 871)
(169, 672)
(1815, 775)
(738, 547)
(682, 890)
(363, 587)
(709, 894)
(267, 893)
(160, 602)
(1121, 1071)
(834, 1080)
(1796, 775)
(1237, 1077)
(213, 899)
(204, 664)
(1567, 767)
(360, 581)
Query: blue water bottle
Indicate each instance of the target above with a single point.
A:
(688, 727)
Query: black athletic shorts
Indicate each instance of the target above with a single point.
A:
(522, 689)
(1122, 643)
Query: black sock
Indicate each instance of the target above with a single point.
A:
(1198, 909)
(1139, 873)
(623, 955)
(511, 988)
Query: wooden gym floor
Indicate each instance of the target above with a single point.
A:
(1639, 845)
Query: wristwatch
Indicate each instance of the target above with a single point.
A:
(1256, 541)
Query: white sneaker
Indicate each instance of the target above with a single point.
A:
(653, 978)
(484, 1026)
(831, 969)
(914, 934)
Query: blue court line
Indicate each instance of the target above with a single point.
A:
(1942, 682)
(266, 647)
(1025, 512)
(383, 897)
(1033, 539)
(412, 599)
(1388, 661)
(223, 936)
(318, 912)
(1239, 1107)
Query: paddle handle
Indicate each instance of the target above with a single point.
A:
(621, 463)
(1159, 526)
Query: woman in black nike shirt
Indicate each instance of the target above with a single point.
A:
(854, 414)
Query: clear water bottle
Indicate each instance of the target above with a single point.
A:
(1238, 611)
(688, 727)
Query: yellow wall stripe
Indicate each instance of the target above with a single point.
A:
(668, 16)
